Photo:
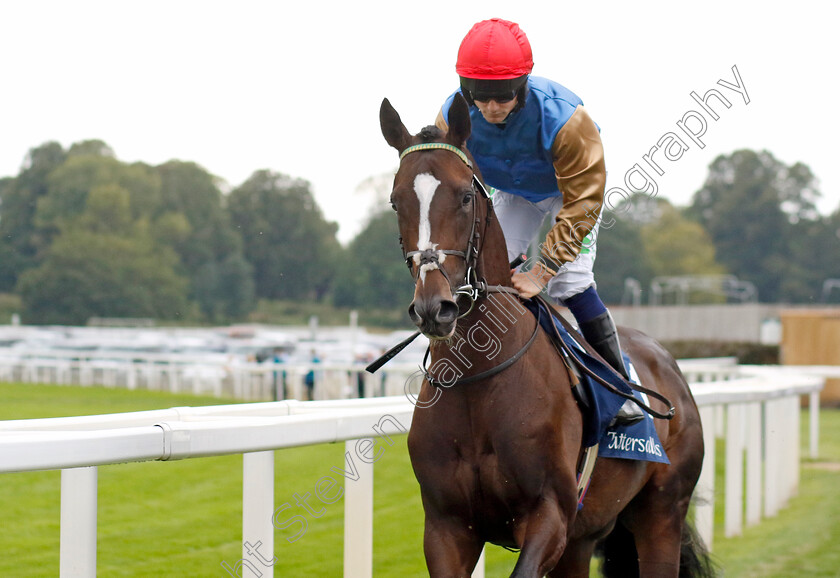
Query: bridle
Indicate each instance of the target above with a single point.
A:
(473, 287)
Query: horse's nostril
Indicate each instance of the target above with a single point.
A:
(434, 315)
(412, 314)
(448, 312)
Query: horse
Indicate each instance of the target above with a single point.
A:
(495, 441)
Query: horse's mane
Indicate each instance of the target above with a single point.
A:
(430, 133)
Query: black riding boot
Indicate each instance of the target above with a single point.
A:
(603, 337)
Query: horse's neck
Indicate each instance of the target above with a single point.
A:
(493, 265)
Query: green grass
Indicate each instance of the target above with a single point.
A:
(802, 540)
(26, 401)
(183, 518)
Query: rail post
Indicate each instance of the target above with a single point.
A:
(77, 552)
(257, 509)
(358, 517)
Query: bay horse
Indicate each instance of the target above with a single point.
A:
(495, 441)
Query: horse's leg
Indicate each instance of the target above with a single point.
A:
(545, 534)
(655, 519)
(451, 550)
(658, 544)
(656, 515)
(575, 561)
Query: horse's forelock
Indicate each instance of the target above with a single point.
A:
(430, 133)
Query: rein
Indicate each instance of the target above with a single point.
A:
(569, 353)
(484, 374)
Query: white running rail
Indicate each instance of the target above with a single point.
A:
(757, 408)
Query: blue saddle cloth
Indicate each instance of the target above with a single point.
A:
(638, 441)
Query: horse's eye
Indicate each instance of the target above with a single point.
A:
(393, 204)
(467, 198)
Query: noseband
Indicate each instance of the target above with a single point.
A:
(472, 287)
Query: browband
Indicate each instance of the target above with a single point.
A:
(438, 145)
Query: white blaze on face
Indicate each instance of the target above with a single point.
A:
(425, 186)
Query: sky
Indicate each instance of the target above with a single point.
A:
(295, 87)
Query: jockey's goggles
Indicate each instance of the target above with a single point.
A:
(487, 89)
(500, 98)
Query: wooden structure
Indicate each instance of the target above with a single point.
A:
(812, 337)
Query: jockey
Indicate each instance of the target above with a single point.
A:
(538, 148)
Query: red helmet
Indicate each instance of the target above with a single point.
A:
(494, 50)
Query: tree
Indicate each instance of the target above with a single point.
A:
(70, 183)
(749, 204)
(225, 290)
(292, 247)
(621, 256)
(193, 221)
(190, 191)
(19, 239)
(107, 210)
(93, 147)
(88, 191)
(8, 257)
(676, 246)
(380, 279)
(87, 274)
(814, 258)
(92, 254)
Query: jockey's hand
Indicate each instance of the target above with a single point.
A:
(531, 282)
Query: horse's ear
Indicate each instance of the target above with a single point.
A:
(459, 122)
(393, 128)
